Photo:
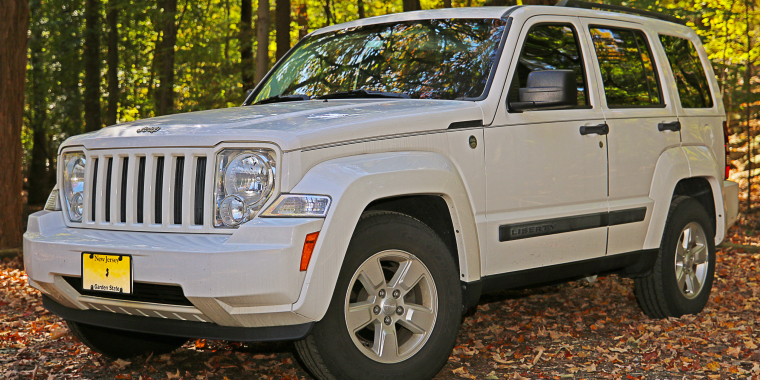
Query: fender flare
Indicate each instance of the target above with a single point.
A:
(353, 183)
(703, 163)
(674, 165)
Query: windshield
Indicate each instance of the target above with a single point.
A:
(425, 59)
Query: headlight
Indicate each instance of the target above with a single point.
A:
(299, 206)
(73, 184)
(244, 182)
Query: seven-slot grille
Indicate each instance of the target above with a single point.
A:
(152, 190)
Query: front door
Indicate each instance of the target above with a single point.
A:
(546, 181)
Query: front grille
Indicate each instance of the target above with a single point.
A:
(141, 292)
(148, 190)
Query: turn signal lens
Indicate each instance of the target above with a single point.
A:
(308, 249)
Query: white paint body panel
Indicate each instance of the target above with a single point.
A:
(525, 167)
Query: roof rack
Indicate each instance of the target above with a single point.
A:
(619, 8)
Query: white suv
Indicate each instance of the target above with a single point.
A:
(384, 175)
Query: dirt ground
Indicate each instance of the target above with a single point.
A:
(570, 331)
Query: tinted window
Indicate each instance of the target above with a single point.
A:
(627, 69)
(549, 47)
(688, 71)
(430, 59)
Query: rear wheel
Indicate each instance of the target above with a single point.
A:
(682, 278)
(123, 344)
(396, 307)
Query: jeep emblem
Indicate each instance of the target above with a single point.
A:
(149, 129)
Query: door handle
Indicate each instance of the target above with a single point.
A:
(674, 126)
(601, 129)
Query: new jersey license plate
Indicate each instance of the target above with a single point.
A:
(107, 273)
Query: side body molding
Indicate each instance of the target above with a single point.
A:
(354, 182)
(674, 165)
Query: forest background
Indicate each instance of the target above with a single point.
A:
(94, 63)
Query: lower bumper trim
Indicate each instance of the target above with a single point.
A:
(183, 329)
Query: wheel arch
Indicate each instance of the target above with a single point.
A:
(393, 182)
(690, 171)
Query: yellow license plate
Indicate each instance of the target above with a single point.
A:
(107, 273)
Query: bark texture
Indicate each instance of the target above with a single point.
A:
(92, 120)
(246, 44)
(112, 18)
(282, 26)
(262, 40)
(14, 23)
(412, 5)
(165, 52)
(38, 173)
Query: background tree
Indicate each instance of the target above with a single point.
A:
(262, 40)
(282, 26)
(14, 20)
(112, 19)
(246, 44)
(165, 57)
(92, 66)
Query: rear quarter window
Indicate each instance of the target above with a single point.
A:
(689, 73)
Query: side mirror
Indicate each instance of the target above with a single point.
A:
(549, 89)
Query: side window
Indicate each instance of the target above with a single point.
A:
(688, 71)
(627, 68)
(550, 47)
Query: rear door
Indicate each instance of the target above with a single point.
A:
(546, 195)
(642, 119)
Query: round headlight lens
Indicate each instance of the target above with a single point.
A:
(73, 184)
(249, 176)
(233, 210)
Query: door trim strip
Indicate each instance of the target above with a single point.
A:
(525, 230)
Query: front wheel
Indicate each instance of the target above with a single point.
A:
(682, 278)
(396, 307)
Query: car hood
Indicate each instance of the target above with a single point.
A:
(290, 125)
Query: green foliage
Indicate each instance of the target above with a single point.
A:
(208, 69)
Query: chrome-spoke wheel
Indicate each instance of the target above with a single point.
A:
(391, 306)
(691, 260)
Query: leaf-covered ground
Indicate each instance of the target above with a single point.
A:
(571, 331)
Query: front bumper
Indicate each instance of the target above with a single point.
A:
(250, 278)
(182, 329)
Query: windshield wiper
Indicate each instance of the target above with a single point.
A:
(283, 98)
(361, 93)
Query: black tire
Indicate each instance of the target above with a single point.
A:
(329, 351)
(658, 294)
(120, 344)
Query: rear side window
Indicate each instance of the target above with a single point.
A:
(549, 47)
(627, 68)
(688, 71)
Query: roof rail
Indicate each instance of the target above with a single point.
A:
(619, 8)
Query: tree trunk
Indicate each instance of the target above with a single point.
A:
(112, 19)
(302, 18)
(412, 5)
(447, 3)
(328, 13)
(165, 90)
(246, 44)
(282, 26)
(92, 121)
(37, 174)
(360, 7)
(14, 23)
(262, 40)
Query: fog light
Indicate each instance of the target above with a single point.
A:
(232, 210)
